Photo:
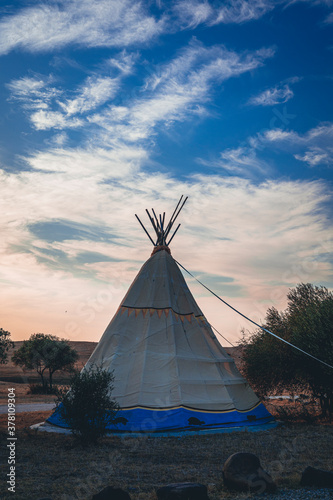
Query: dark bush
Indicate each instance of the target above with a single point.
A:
(88, 407)
(42, 389)
(295, 412)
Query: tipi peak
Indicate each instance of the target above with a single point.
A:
(163, 230)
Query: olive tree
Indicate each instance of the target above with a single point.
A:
(5, 345)
(45, 353)
(271, 365)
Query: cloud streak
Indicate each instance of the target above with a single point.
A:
(91, 195)
(173, 92)
(72, 238)
(272, 96)
(191, 13)
(177, 90)
(313, 147)
(45, 27)
(95, 92)
(56, 108)
(242, 161)
(45, 120)
(34, 92)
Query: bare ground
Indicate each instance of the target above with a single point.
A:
(55, 466)
(50, 465)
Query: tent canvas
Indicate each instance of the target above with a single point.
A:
(171, 373)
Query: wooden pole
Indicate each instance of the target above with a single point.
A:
(173, 235)
(145, 230)
(167, 232)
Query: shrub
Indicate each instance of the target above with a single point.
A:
(296, 413)
(272, 366)
(88, 407)
(42, 389)
(37, 389)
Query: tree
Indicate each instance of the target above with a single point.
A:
(5, 345)
(45, 353)
(88, 407)
(271, 365)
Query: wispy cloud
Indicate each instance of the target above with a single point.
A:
(172, 92)
(56, 107)
(124, 62)
(175, 90)
(94, 92)
(43, 27)
(191, 13)
(58, 140)
(242, 161)
(329, 19)
(315, 157)
(73, 233)
(106, 23)
(278, 94)
(73, 188)
(324, 3)
(240, 11)
(27, 86)
(45, 120)
(34, 92)
(272, 96)
(313, 147)
(104, 164)
(279, 135)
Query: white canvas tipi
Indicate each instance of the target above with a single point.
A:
(171, 373)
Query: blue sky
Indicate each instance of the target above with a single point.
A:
(109, 107)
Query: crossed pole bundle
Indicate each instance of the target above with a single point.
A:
(158, 223)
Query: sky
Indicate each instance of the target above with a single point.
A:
(110, 107)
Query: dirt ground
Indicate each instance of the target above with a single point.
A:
(56, 466)
(22, 394)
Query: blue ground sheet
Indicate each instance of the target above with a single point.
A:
(143, 420)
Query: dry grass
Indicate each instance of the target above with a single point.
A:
(22, 394)
(55, 466)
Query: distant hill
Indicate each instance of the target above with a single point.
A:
(11, 373)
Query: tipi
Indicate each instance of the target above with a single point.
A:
(171, 373)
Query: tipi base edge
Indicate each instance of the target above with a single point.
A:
(181, 419)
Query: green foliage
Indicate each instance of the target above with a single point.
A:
(272, 366)
(88, 406)
(5, 345)
(45, 352)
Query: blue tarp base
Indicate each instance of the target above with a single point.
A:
(143, 420)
